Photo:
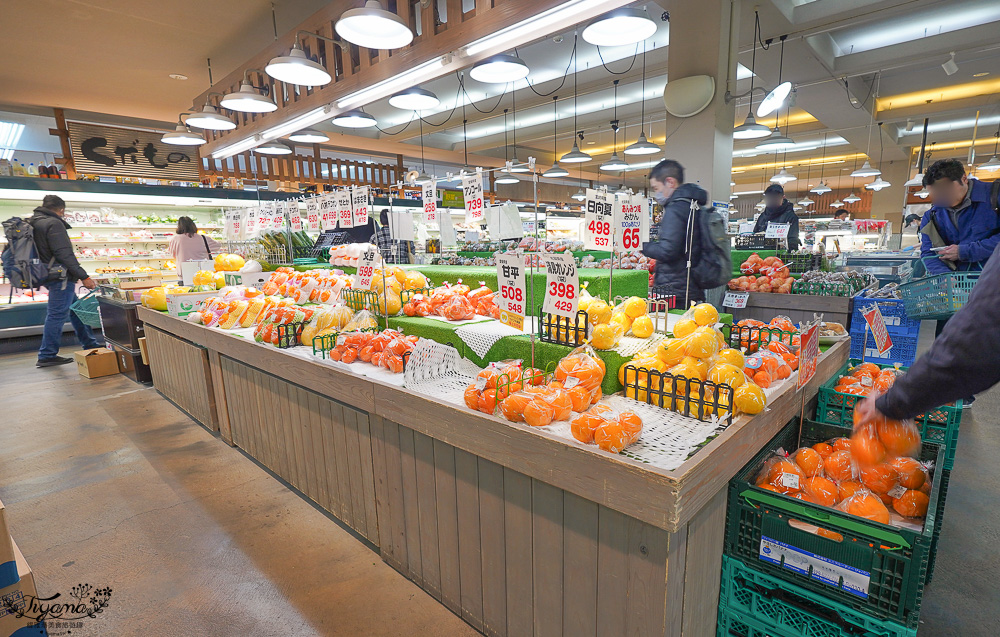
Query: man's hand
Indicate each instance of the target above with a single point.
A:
(89, 283)
(866, 412)
(949, 253)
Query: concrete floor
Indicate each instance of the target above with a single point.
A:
(107, 483)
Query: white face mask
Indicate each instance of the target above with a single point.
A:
(661, 199)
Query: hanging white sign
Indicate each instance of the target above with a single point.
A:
(561, 285)
(628, 224)
(597, 218)
(472, 191)
(360, 202)
(428, 194)
(345, 211)
(312, 214)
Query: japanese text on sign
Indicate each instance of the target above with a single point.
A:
(278, 216)
(561, 285)
(359, 199)
(312, 215)
(366, 268)
(873, 316)
(345, 211)
(628, 224)
(428, 194)
(472, 191)
(746, 227)
(328, 211)
(294, 216)
(599, 215)
(808, 354)
(513, 298)
(251, 228)
(736, 300)
(776, 230)
(230, 234)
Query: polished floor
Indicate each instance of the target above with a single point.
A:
(107, 483)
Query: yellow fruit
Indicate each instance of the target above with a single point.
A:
(219, 261)
(640, 377)
(732, 356)
(701, 345)
(750, 399)
(706, 314)
(414, 281)
(642, 327)
(389, 303)
(636, 393)
(203, 277)
(684, 327)
(726, 374)
(622, 320)
(220, 280)
(155, 299)
(634, 307)
(671, 351)
(599, 312)
(233, 263)
(698, 366)
(584, 302)
(644, 354)
(397, 272)
(604, 337)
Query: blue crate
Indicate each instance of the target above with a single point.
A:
(893, 312)
(903, 350)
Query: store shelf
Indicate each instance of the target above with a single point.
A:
(114, 259)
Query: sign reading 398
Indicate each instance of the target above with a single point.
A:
(562, 284)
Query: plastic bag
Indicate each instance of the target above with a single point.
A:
(478, 293)
(581, 366)
(417, 305)
(766, 368)
(457, 308)
(865, 504)
(610, 429)
(497, 382)
(361, 321)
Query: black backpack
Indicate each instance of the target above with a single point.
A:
(715, 267)
(21, 265)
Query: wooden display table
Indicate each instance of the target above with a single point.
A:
(512, 528)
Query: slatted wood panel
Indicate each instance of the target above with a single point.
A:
(513, 555)
(320, 446)
(181, 373)
(303, 169)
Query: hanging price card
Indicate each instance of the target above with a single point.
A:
(428, 194)
(746, 227)
(359, 200)
(736, 300)
(808, 353)
(239, 224)
(510, 280)
(228, 232)
(366, 268)
(472, 191)
(873, 316)
(294, 216)
(776, 230)
(253, 218)
(597, 220)
(628, 224)
(561, 285)
(645, 209)
(312, 214)
(278, 216)
(345, 210)
(328, 211)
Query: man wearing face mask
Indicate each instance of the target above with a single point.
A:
(670, 250)
(777, 209)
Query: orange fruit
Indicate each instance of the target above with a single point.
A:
(830, 535)
(671, 351)
(821, 491)
(912, 504)
(868, 369)
(866, 448)
(596, 395)
(538, 413)
(705, 314)
(809, 461)
(580, 398)
(847, 488)
(763, 379)
(488, 401)
(839, 466)
(701, 345)
(822, 449)
(472, 397)
(632, 424)
(911, 473)
(783, 466)
(350, 355)
(610, 436)
(513, 407)
(769, 487)
(684, 327)
(562, 405)
(880, 478)
(634, 307)
(727, 374)
(868, 506)
(799, 495)
(841, 444)
(583, 427)
(884, 382)
(900, 439)
(783, 372)
(533, 376)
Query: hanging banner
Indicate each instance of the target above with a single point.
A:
(561, 285)
(312, 214)
(294, 216)
(597, 220)
(510, 280)
(428, 194)
(253, 218)
(360, 201)
(328, 211)
(345, 210)
(472, 191)
(628, 224)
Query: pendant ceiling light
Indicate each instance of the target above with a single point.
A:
(822, 188)
(837, 204)
(774, 100)
(866, 170)
(273, 147)
(505, 176)
(775, 141)
(556, 170)
(372, 27)
(355, 119)
(806, 201)
(579, 195)
(499, 69)
(851, 198)
(623, 191)
(248, 99)
(182, 136)
(878, 184)
(614, 162)
(414, 99)
(575, 155)
(209, 118)
(750, 129)
(619, 27)
(993, 164)
(296, 68)
(923, 193)
(515, 164)
(642, 146)
(918, 180)
(783, 177)
(309, 136)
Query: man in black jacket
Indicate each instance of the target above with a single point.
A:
(677, 231)
(52, 240)
(779, 210)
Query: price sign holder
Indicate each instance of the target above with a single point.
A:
(511, 291)
(360, 202)
(776, 230)
(598, 218)
(736, 300)
(366, 268)
(746, 227)
(294, 216)
(628, 224)
(562, 285)
(560, 330)
(472, 191)
(428, 195)
(312, 215)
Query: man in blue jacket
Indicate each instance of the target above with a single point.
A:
(961, 230)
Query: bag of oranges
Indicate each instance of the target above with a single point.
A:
(582, 366)
(766, 368)
(698, 315)
(610, 429)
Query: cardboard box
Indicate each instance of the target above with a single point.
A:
(141, 283)
(94, 363)
(8, 570)
(249, 279)
(184, 303)
(143, 350)
(21, 595)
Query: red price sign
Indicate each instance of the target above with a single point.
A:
(366, 268)
(513, 298)
(561, 285)
(808, 354)
(873, 316)
(472, 191)
(598, 218)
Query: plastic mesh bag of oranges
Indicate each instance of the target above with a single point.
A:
(493, 384)
(582, 366)
(417, 305)
(610, 429)
(766, 368)
(457, 308)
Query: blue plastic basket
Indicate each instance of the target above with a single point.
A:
(903, 350)
(937, 297)
(893, 312)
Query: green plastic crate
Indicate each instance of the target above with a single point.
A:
(945, 478)
(786, 609)
(881, 570)
(732, 624)
(938, 425)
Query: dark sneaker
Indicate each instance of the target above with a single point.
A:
(50, 362)
(967, 403)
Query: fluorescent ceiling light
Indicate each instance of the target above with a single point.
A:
(614, 163)
(916, 24)
(531, 28)
(750, 129)
(355, 119)
(422, 73)
(733, 196)
(210, 119)
(866, 170)
(774, 100)
(555, 171)
(851, 198)
(504, 177)
(575, 156)
(248, 100)
(197, 198)
(296, 68)
(10, 135)
(414, 99)
(619, 28)
(821, 188)
(309, 136)
(236, 147)
(992, 165)
(182, 136)
(642, 146)
(783, 177)
(273, 148)
(775, 141)
(373, 27)
(499, 69)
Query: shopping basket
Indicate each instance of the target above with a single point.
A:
(86, 309)
(937, 297)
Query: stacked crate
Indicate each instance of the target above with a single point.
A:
(904, 332)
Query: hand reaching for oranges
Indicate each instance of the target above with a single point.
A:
(866, 411)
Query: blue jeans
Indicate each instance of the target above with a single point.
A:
(55, 318)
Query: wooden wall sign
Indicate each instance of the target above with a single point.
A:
(125, 152)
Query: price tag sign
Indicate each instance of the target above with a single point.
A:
(645, 217)
(746, 227)
(359, 200)
(294, 216)
(253, 218)
(366, 268)
(776, 230)
(873, 316)
(472, 191)
(345, 210)
(428, 194)
(597, 219)
(229, 234)
(328, 212)
(736, 300)
(278, 216)
(312, 215)
(628, 224)
(561, 285)
(513, 298)
(239, 224)
(808, 354)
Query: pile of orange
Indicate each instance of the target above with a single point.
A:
(497, 382)
(866, 378)
(601, 426)
(774, 276)
(386, 349)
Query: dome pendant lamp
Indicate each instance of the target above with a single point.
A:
(372, 27)
(556, 170)
(182, 136)
(614, 162)
(642, 146)
(575, 155)
(248, 99)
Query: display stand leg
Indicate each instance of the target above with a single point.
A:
(534, 184)
(864, 343)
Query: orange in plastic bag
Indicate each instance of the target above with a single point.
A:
(457, 308)
(865, 504)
